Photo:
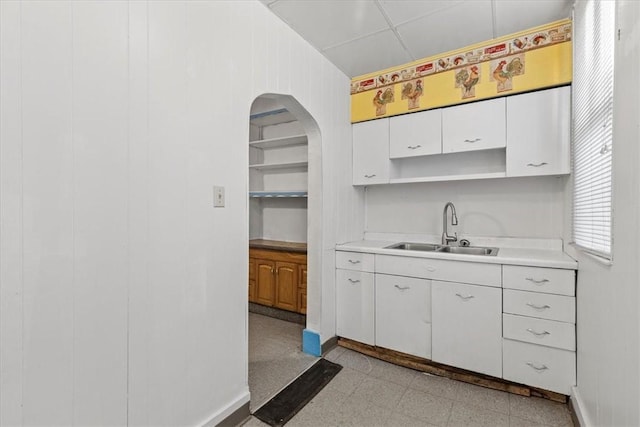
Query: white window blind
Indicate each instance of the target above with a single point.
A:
(594, 37)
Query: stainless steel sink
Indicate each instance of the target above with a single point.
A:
(428, 247)
(469, 250)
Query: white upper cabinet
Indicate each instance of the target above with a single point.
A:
(417, 134)
(538, 130)
(477, 126)
(371, 152)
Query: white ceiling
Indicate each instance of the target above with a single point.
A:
(364, 36)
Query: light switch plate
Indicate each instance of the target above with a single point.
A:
(218, 196)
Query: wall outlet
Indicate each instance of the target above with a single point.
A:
(218, 196)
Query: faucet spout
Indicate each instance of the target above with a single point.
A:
(446, 238)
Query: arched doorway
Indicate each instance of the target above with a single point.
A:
(285, 218)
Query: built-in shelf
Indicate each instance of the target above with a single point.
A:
(448, 178)
(277, 194)
(273, 117)
(286, 141)
(273, 166)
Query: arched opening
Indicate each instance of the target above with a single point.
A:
(285, 235)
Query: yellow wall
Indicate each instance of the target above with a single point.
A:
(546, 63)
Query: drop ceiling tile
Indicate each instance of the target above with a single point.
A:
(517, 15)
(326, 23)
(452, 28)
(369, 54)
(400, 11)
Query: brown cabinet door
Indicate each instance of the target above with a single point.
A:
(252, 280)
(286, 286)
(302, 301)
(265, 282)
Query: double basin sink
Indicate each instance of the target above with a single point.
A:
(429, 247)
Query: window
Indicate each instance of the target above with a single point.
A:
(594, 29)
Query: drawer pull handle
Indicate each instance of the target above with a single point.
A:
(354, 261)
(538, 368)
(537, 165)
(467, 298)
(538, 307)
(354, 281)
(431, 269)
(471, 141)
(537, 282)
(403, 288)
(413, 147)
(370, 176)
(538, 334)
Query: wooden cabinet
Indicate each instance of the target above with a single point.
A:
(417, 134)
(403, 314)
(371, 152)
(538, 133)
(280, 279)
(467, 327)
(477, 126)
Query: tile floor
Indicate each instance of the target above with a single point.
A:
(370, 392)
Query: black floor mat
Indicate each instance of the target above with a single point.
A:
(293, 397)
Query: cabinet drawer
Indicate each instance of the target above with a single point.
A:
(477, 126)
(547, 368)
(437, 269)
(543, 306)
(355, 305)
(537, 279)
(403, 314)
(354, 261)
(539, 331)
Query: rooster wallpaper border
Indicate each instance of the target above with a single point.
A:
(533, 59)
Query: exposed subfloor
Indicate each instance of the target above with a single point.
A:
(370, 392)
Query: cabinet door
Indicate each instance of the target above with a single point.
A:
(371, 152)
(286, 286)
(538, 133)
(265, 282)
(467, 326)
(302, 288)
(252, 280)
(355, 305)
(403, 314)
(416, 134)
(477, 126)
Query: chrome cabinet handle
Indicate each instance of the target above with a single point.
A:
(467, 298)
(537, 165)
(402, 288)
(413, 147)
(471, 141)
(538, 307)
(432, 269)
(370, 176)
(538, 334)
(538, 368)
(353, 281)
(537, 282)
(354, 262)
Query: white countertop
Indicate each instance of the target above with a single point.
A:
(534, 257)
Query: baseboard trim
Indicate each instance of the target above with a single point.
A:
(329, 344)
(578, 409)
(232, 415)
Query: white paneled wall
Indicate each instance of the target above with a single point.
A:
(514, 207)
(123, 294)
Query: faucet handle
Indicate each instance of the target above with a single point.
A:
(465, 242)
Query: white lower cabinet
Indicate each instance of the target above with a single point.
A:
(539, 366)
(467, 326)
(403, 314)
(355, 305)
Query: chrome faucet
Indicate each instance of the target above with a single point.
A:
(446, 239)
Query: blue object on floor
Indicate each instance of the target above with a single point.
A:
(311, 342)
